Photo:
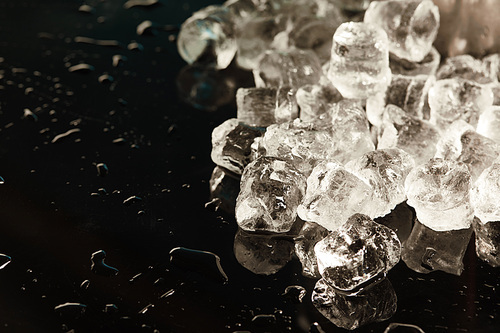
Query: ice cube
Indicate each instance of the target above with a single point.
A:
(314, 100)
(489, 123)
(333, 194)
(428, 250)
(293, 68)
(411, 25)
(254, 37)
(262, 254)
(485, 194)
(359, 65)
(439, 192)
(465, 67)
(385, 171)
(315, 35)
(357, 252)
(271, 190)
(208, 36)
(224, 188)
(231, 144)
(487, 241)
(463, 144)
(415, 136)
(428, 66)
(349, 130)
(375, 106)
(377, 302)
(265, 106)
(301, 143)
(409, 93)
(492, 65)
(454, 99)
(308, 236)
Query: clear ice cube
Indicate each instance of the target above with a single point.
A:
(487, 237)
(315, 35)
(409, 93)
(332, 195)
(301, 143)
(428, 66)
(266, 106)
(439, 192)
(208, 37)
(314, 100)
(357, 252)
(377, 303)
(359, 65)
(231, 144)
(224, 188)
(489, 123)
(428, 250)
(453, 99)
(308, 236)
(293, 68)
(463, 144)
(485, 194)
(385, 171)
(254, 37)
(465, 67)
(271, 190)
(415, 136)
(411, 25)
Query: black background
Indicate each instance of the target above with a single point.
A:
(50, 223)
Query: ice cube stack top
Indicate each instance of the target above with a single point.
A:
(341, 139)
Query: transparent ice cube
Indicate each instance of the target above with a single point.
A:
(271, 190)
(411, 25)
(333, 194)
(439, 192)
(208, 36)
(359, 65)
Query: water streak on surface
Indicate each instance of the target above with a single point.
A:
(200, 261)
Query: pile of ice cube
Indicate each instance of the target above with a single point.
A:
(351, 116)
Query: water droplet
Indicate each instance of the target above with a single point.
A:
(264, 319)
(297, 293)
(119, 141)
(130, 200)
(146, 308)
(398, 327)
(86, 9)
(85, 285)
(105, 79)
(4, 259)
(118, 60)
(140, 3)
(134, 46)
(102, 169)
(110, 308)
(135, 278)
(203, 262)
(69, 309)
(100, 42)
(65, 134)
(28, 114)
(168, 293)
(81, 68)
(99, 267)
(146, 28)
(2, 181)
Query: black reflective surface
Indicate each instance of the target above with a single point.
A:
(57, 207)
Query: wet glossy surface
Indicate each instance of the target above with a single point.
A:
(120, 164)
